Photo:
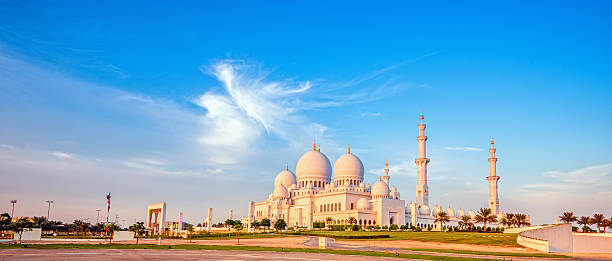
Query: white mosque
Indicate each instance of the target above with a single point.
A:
(312, 195)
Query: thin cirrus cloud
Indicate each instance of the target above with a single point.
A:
(62, 155)
(466, 149)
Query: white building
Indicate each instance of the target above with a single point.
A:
(314, 196)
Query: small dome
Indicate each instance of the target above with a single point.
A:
(313, 164)
(380, 189)
(348, 166)
(424, 210)
(364, 204)
(450, 212)
(280, 192)
(285, 178)
(460, 212)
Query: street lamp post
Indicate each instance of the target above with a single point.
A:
(98, 218)
(49, 208)
(13, 201)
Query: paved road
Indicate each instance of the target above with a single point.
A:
(148, 254)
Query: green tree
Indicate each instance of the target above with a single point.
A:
(238, 227)
(466, 222)
(5, 220)
(507, 220)
(441, 217)
(19, 226)
(568, 217)
(485, 215)
(598, 220)
(138, 228)
(584, 221)
(265, 223)
(39, 221)
(521, 220)
(255, 224)
(229, 223)
(352, 220)
(280, 224)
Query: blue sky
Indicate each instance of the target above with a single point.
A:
(201, 104)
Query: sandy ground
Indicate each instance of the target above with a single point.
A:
(420, 244)
(298, 242)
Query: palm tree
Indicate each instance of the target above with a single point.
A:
(568, 217)
(329, 220)
(39, 221)
(352, 220)
(441, 217)
(606, 223)
(466, 221)
(138, 228)
(521, 220)
(584, 221)
(5, 220)
(238, 227)
(485, 215)
(598, 220)
(507, 220)
(610, 223)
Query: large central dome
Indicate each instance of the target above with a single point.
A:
(313, 166)
(348, 165)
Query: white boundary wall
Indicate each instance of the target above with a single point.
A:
(559, 238)
(29, 234)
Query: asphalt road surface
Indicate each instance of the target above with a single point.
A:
(150, 254)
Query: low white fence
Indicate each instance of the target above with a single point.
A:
(559, 238)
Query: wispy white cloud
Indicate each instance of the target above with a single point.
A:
(404, 168)
(593, 178)
(371, 114)
(250, 106)
(61, 155)
(466, 149)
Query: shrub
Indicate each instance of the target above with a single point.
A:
(404, 227)
(574, 229)
(377, 227)
(393, 227)
(489, 229)
(428, 228)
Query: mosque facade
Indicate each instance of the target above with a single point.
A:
(319, 193)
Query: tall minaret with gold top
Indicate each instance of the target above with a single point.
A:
(493, 178)
(422, 191)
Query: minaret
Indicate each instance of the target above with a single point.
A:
(493, 178)
(386, 177)
(422, 191)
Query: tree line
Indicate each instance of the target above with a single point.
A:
(597, 219)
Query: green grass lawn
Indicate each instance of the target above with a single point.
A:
(493, 239)
(243, 248)
(471, 252)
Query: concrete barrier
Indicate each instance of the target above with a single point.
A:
(123, 236)
(29, 234)
(559, 238)
(592, 242)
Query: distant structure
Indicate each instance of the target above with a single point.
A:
(422, 190)
(312, 195)
(209, 220)
(230, 215)
(156, 218)
(493, 178)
